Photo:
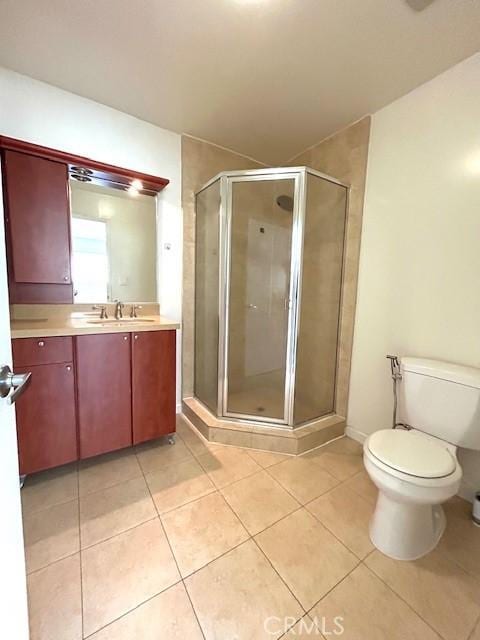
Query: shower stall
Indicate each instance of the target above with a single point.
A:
(268, 280)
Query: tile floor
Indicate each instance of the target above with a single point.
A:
(197, 541)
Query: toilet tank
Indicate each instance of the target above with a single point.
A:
(441, 399)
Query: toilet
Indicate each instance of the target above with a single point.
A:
(415, 467)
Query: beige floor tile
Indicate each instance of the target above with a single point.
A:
(108, 470)
(476, 633)
(259, 501)
(363, 486)
(176, 485)
(167, 616)
(55, 601)
(267, 458)
(227, 465)
(159, 454)
(303, 478)
(347, 515)
(51, 534)
(201, 531)
(236, 594)
(460, 527)
(48, 488)
(106, 513)
(305, 628)
(307, 556)
(124, 571)
(342, 458)
(369, 610)
(440, 591)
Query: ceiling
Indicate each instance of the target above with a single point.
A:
(266, 78)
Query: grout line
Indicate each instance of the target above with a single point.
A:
(80, 552)
(173, 555)
(401, 597)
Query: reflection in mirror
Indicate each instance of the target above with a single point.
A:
(114, 244)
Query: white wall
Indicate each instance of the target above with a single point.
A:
(42, 114)
(419, 280)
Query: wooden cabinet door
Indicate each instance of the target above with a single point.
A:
(153, 384)
(38, 215)
(46, 424)
(103, 393)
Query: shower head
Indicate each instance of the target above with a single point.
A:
(285, 203)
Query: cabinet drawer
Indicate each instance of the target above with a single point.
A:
(33, 351)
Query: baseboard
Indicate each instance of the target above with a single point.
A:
(355, 434)
(466, 491)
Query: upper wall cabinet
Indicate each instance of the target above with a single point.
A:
(38, 228)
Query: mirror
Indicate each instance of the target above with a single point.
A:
(114, 244)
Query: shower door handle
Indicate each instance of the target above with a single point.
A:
(251, 306)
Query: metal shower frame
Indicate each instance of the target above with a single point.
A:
(227, 179)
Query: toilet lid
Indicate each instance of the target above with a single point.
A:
(411, 453)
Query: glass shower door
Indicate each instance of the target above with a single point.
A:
(260, 245)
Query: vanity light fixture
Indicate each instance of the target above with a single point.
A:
(81, 174)
(134, 188)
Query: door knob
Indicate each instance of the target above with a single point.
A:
(16, 381)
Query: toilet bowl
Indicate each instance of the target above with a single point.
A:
(414, 475)
(416, 468)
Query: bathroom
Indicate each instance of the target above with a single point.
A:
(343, 228)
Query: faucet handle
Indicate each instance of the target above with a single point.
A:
(135, 307)
(103, 310)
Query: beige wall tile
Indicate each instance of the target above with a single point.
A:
(307, 556)
(344, 156)
(201, 531)
(234, 596)
(200, 162)
(121, 573)
(55, 601)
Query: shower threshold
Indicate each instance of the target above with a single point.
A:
(262, 436)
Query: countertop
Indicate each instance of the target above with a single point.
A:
(76, 326)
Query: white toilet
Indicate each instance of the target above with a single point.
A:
(416, 470)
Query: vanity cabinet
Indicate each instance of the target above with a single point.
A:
(92, 394)
(46, 420)
(153, 384)
(104, 392)
(37, 216)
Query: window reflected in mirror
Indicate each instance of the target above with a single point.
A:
(114, 244)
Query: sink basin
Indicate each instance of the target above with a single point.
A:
(119, 323)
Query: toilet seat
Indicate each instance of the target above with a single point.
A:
(410, 453)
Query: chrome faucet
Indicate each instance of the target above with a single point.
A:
(103, 310)
(118, 309)
(133, 312)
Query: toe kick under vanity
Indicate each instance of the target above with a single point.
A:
(81, 235)
(92, 393)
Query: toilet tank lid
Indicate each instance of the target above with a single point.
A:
(460, 374)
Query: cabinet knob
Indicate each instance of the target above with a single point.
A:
(65, 278)
(41, 343)
(68, 367)
(135, 337)
(125, 337)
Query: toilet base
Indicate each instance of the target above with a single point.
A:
(405, 530)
